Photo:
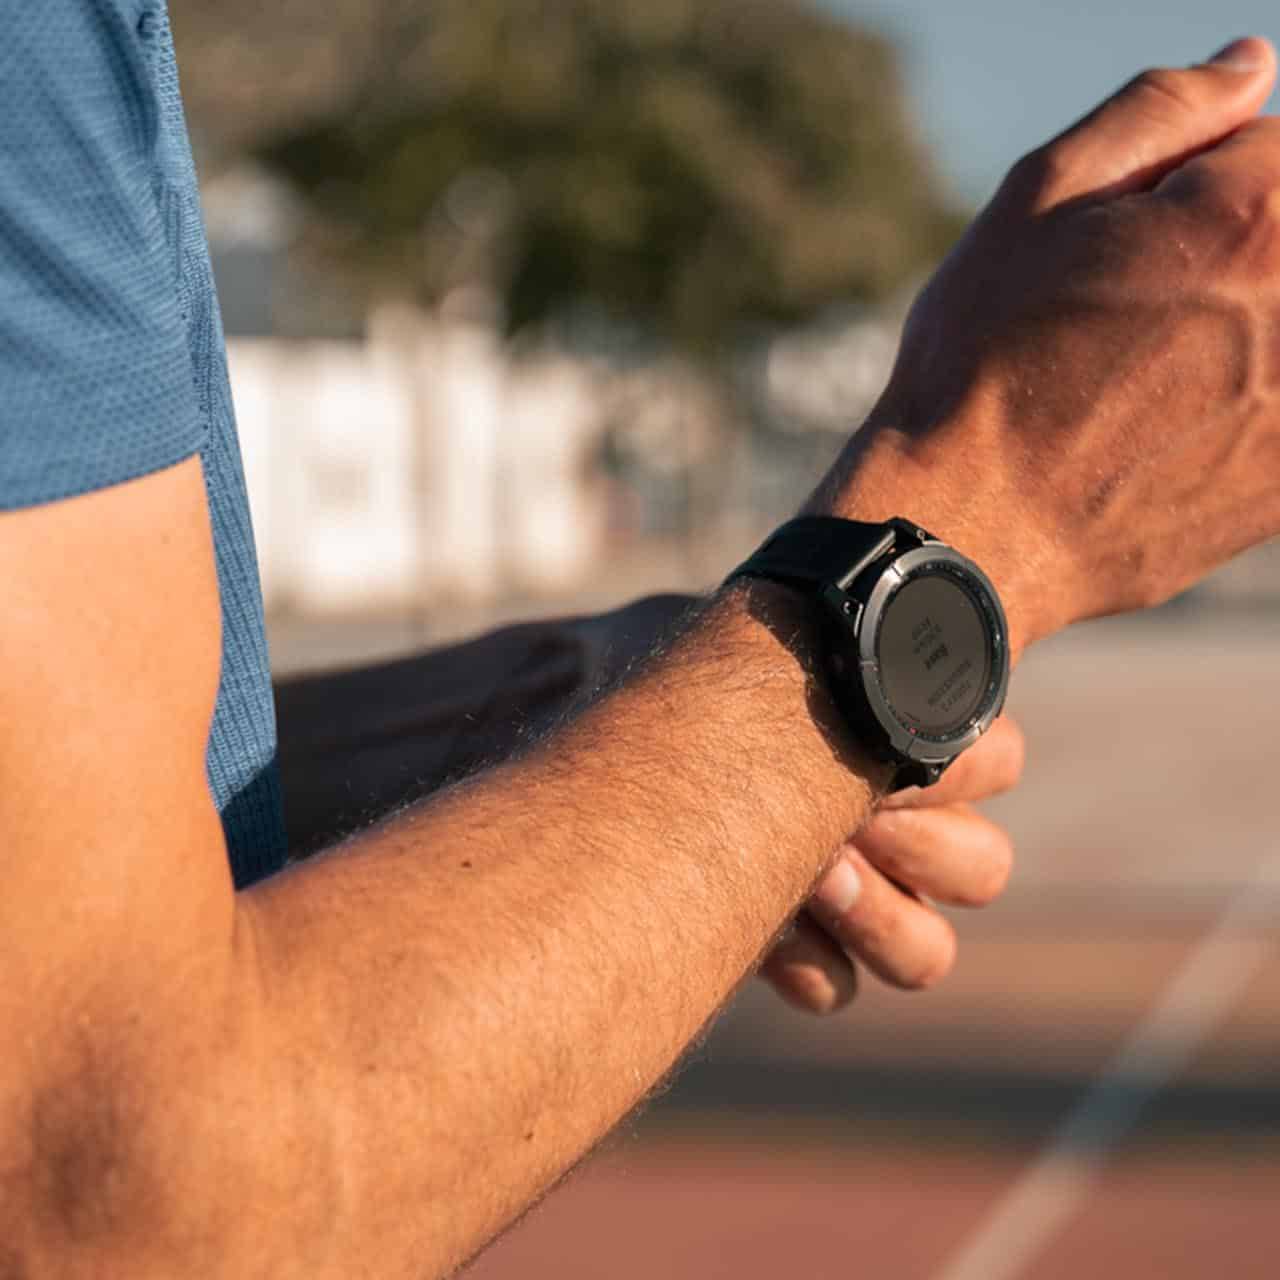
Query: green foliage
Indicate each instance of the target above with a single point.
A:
(697, 167)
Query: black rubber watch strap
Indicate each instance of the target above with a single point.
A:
(812, 552)
(844, 567)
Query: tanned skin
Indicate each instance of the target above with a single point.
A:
(355, 745)
(368, 1065)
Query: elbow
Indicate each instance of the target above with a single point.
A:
(162, 1137)
(138, 1174)
(81, 1193)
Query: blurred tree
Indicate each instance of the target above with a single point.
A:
(698, 168)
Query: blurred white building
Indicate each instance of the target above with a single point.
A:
(428, 465)
(419, 466)
(424, 463)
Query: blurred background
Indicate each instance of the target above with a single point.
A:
(534, 306)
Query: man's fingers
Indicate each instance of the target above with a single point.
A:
(897, 937)
(953, 855)
(809, 971)
(1152, 125)
(990, 767)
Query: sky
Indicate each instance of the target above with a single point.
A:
(992, 78)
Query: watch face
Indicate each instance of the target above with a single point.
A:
(935, 653)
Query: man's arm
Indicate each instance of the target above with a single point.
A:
(356, 744)
(370, 1063)
(601, 897)
(334, 1066)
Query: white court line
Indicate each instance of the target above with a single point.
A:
(1197, 1000)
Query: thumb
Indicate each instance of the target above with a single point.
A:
(1157, 121)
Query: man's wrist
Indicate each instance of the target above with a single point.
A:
(781, 624)
(885, 472)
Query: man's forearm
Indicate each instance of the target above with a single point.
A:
(356, 744)
(465, 999)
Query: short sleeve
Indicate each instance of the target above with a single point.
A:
(96, 379)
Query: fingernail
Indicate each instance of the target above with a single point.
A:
(841, 888)
(1239, 55)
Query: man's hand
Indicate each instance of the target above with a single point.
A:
(1085, 400)
(872, 908)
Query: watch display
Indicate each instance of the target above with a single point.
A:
(913, 639)
(934, 654)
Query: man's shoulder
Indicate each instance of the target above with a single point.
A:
(94, 361)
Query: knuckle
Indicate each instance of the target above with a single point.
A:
(1232, 204)
(1163, 88)
(891, 837)
(1237, 199)
(1036, 175)
(919, 860)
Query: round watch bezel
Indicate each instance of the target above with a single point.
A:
(911, 743)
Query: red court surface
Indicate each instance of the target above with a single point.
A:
(712, 1211)
(771, 1157)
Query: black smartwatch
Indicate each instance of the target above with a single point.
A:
(915, 646)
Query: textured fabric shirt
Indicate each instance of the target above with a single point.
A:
(112, 361)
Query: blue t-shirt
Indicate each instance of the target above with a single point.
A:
(112, 361)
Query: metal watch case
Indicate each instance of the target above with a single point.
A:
(854, 612)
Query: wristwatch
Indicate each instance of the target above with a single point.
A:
(913, 638)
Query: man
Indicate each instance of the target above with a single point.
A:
(369, 1063)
